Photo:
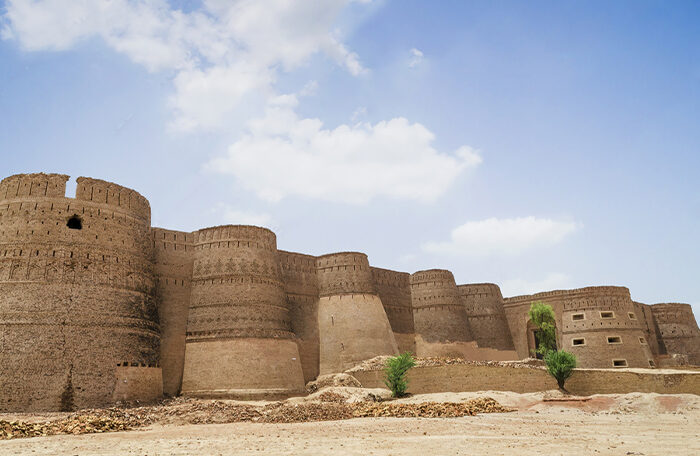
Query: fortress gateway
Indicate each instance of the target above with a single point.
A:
(97, 306)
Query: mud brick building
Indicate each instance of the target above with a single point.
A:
(97, 306)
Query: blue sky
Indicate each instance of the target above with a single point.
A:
(538, 145)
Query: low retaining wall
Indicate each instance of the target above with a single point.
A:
(466, 377)
(143, 384)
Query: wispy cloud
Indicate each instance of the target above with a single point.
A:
(552, 281)
(502, 236)
(283, 155)
(416, 58)
(229, 214)
(225, 57)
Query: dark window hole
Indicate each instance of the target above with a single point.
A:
(74, 223)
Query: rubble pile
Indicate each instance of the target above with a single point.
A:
(379, 363)
(331, 406)
(108, 421)
(428, 409)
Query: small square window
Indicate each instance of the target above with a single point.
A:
(580, 341)
(614, 340)
(619, 363)
(651, 363)
(642, 341)
(577, 317)
(631, 315)
(607, 314)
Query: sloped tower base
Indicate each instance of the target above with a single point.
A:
(352, 328)
(244, 368)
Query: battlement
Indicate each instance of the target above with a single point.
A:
(489, 289)
(103, 192)
(171, 240)
(391, 278)
(606, 290)
(35, 185)
(243, 235)
(344, 273)
(432, 275)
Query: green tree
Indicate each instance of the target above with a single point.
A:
(542, 316)
(560, 365)
(395, 373)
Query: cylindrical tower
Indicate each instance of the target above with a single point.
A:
(239, 341)
(679, 330)
(174, 252)
(78, 319)
(439, 316)
(394, 289)
(301, 288)
(483, 304)
(352, 323)
(597, 324)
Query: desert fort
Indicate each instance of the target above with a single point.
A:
(98, 306)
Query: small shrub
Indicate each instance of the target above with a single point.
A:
(542, 316)
(395, 373)
(560, 365)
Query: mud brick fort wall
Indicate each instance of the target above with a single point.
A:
(97, 306)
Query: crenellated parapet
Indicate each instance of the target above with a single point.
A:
(344, 273)
(33, 185)
(113, 195)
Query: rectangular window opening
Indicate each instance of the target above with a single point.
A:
(580, 341)
(619, 363)
(651, 363)
(614, 340)
(607, 314)
(577, 317)
(631, 315)
(642, 341)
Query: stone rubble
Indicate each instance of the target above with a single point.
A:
(331, 406)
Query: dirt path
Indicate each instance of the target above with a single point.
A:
(554, 431)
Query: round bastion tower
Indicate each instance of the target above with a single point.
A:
(599, 325)
(678, 329)
(440, 319)
(352, 323)
(239, 341)
(483, 304)
(77, 315)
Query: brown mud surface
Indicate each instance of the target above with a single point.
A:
(541, 423)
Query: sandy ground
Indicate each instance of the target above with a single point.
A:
(631, 424)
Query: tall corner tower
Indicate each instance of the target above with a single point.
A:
(440, 319)
(77, 314)
(239, 341)
(352, 323)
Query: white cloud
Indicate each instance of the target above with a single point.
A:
(224, 59)
(238, 217)
(282, 155)
(358, 113)
(219, 53)
(416, 58)
(553, 281)
(502, 236)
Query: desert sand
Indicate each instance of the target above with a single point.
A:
(543, 423)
